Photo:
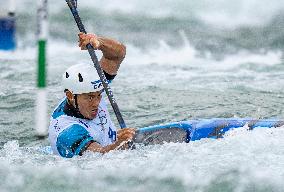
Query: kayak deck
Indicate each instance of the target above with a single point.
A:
(193, 130)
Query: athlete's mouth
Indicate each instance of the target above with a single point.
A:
(94, 111)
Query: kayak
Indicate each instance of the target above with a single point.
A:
(192, 130)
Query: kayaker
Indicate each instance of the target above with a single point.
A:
(81, 122)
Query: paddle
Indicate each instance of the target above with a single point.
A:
(73, 7)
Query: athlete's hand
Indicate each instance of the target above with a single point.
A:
(125, 134)
(85, 39)
(125, 137)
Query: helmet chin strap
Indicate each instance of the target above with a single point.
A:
(76, 108)
(76, 102)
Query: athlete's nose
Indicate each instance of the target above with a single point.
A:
(96, 102)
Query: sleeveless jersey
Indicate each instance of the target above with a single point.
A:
(70, 136)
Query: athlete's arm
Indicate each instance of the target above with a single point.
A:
(124, 135)
(113, 51)
(73, 141)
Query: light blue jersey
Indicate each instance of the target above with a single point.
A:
(70, 136)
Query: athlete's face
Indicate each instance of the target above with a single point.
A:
(88, 104)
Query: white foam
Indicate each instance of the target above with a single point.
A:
(243, 12)
(18, 54)
(184, 63)
(12, 150)
(241, 157)
(187, 55)
(229, 13)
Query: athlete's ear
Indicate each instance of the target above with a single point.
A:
(69, 95)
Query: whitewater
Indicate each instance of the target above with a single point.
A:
(185, 60)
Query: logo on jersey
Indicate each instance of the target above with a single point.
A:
(102, 116)
(56, 127)
(111, 134)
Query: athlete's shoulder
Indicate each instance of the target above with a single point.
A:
(59, 110)
(73, 140)
(59, 120)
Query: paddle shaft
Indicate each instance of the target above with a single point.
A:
(91, 50)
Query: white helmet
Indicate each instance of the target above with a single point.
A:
(81, 78)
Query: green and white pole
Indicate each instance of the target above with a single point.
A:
(41, 103)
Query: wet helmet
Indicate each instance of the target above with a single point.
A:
(81, 78)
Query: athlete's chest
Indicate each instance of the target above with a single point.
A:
(101, 128)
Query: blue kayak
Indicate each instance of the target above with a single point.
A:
(192, 130)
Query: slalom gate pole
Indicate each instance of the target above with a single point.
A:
(73, 8)
(41, 104)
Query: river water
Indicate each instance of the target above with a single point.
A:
(185, 60)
